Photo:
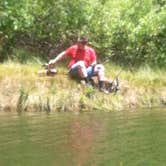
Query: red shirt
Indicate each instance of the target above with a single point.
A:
(87, 54)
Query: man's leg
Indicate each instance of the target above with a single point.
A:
(99, 72)
(79, 70)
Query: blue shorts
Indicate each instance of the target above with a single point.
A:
(74, 72)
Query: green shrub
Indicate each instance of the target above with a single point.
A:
(130, 31)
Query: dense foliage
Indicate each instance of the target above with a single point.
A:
(130, 31)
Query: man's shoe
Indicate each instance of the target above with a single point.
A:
(87, 84)
(83, 82)
(104, 90)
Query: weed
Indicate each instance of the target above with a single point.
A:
(21, 103)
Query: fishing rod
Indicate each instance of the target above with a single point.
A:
(114, 84)
(107, 59)
(49, 71)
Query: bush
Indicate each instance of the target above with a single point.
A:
(128, 31)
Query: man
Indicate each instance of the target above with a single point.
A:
(82, 62)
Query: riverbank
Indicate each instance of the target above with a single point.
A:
(23, 90)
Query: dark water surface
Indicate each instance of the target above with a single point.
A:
(87, 139)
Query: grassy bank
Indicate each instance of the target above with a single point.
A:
(23, 90)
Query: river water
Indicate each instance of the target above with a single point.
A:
(126, 138)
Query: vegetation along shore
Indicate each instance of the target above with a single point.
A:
(22, 89)
(130, 34)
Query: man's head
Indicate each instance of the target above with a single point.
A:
(81, 42)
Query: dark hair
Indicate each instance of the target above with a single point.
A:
(82, 40)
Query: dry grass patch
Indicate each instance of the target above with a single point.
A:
(23, 90)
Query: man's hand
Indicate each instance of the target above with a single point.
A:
(51, 63)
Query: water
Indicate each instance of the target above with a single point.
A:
(86, 139)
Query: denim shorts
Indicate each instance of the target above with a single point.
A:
(74, 72)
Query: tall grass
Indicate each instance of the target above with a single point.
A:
(23, 90)
(21, 103)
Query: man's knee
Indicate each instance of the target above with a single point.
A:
(81, 64)
(81, 69)
(100, 68)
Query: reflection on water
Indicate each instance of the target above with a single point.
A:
(87, 139)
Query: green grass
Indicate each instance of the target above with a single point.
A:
(21, 87)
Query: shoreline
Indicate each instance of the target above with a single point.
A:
(23, 90)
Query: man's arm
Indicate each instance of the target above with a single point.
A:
(58, 57)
